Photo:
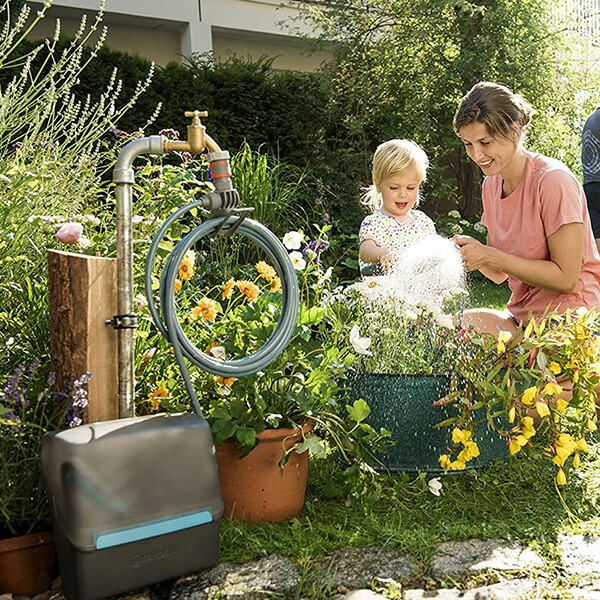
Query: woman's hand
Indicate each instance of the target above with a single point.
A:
(472, 251)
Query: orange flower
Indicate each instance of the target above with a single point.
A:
(275, 284)
(227, 289)
(177, 285)
(226, 381)
(249, 289)
(266, 271)
(186, 267)
(206, 309)
(154, 397)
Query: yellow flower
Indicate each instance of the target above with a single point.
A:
(472, 449)
(566, 441)
(551, 389)
(372, 284)
(542, 408)
(177, 286)
(458, 465)
(582, 445)
(575, 377)
(227, 289)
(206, 309)
(186, 267)
(561, 405)
(249, 289)
(529, 395)
(561, 478)
(555, 368)
(511, 414)
(460, 435)
(275, 284)
(444, 461)
(266, 271)
(527, 427)
(503, 337)
(514, 446)
(591, 425)
(576, 460)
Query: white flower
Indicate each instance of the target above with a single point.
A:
(445, 321)
(454, 214)
(140, 300)
(218, 352)
(325, 277)
(480, 228)
(293, 239)
(84, 242)
(298, 261)
(434, 485)
(223, 390)
(136, 219)
(360, 345)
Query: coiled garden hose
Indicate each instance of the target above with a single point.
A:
(165, 314)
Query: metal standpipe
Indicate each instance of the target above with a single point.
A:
(226, 219)
(125, 321)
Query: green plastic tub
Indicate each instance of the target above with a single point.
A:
(403, 404)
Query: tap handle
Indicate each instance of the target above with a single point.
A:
(195, 115)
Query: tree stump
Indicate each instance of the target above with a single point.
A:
(82, 296)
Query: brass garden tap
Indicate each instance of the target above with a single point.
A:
(198, 139)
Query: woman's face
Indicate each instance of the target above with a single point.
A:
(493, 155)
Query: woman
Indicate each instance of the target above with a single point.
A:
(539, 232)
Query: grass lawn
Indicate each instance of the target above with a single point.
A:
(515, 498)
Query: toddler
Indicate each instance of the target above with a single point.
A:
(399, 168)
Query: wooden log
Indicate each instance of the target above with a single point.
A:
(82, 296)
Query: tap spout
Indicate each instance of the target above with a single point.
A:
(197, 137)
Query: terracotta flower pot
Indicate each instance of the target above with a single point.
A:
(254, 488)
(27, 564)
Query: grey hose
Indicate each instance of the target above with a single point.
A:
(168, 323)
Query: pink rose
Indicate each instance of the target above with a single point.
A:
(69, 233)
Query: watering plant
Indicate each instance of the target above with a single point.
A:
(29, 407)
(406, 322)
(536, 388)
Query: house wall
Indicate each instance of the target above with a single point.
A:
(165, 31)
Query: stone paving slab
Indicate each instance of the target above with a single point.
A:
(580, 554)
(454, 558)
(515, 589)
(251, 581)
(356, 568)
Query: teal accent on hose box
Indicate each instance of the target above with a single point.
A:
(151, 529)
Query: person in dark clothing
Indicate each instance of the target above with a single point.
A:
(590, 157)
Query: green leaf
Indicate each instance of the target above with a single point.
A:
(359, 411)
(246, 436)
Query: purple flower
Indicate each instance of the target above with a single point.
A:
(172, 134)
(119, 133)
(313, 249)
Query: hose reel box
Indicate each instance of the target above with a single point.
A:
(135, 501)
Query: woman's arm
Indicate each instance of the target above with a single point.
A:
(559, 274)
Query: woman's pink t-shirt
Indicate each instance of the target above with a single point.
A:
(547, 197)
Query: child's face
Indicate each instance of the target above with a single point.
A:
(400, 193)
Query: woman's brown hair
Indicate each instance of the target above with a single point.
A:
(495, 106)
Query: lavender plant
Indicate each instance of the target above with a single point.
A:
(30, 407)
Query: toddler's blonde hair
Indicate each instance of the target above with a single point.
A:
(394, 157)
